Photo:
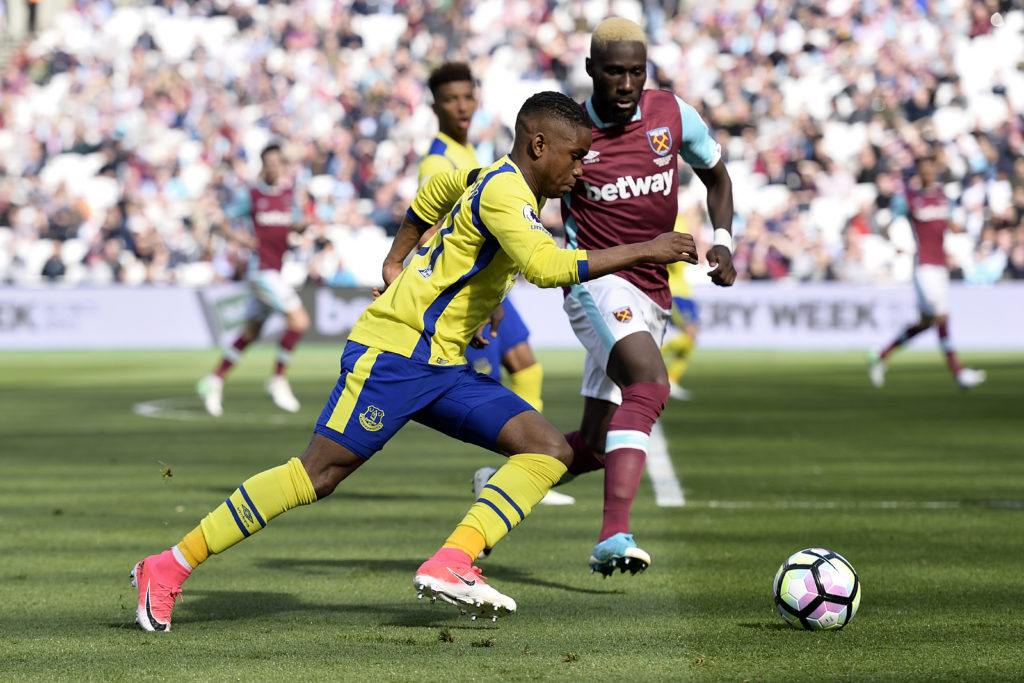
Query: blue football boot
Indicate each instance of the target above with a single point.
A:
(618, 552)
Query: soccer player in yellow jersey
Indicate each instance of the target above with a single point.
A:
(454, 93)
(506, 346)
(686, 319)
(404, 360)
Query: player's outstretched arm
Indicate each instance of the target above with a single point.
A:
(719, 185)
(667, 247)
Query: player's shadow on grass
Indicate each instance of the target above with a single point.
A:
(227, 489)
(209, 606)
(214, 606)
(347, 565)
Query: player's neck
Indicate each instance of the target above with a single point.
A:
(608, 115)
(521, 159)
(459, 136)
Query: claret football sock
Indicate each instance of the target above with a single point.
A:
(905, 336)
(247, 510)
(284, 350)
(232, 355)
(584, 459)
(947, 349)
(626, 450)
(506, 499)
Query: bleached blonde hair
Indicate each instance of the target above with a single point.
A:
(614, 30)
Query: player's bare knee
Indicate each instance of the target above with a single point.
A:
(560, 450)
(298, 321)
(327, 464)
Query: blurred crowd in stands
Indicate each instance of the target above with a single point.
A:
(125, 130)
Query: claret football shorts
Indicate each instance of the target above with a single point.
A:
(602, 312)
(379, 392)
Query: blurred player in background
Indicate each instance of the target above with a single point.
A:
(629, 192)
(274, 213)
(404, 360)
(685, 319)
(929, 212)
(507, 346)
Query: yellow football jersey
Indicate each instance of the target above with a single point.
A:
(677, 282)
(490, 233)
(444, 155)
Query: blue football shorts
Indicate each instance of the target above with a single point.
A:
(379, 392)
(512, 331)
(684, 312)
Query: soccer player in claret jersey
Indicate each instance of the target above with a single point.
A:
(404, 360)
(507, 345)
(929, 212)
(274, 214)
(628, 192)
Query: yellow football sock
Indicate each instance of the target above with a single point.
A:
(257, 501)
(507, 499)
(466, 539)
(193, 547)
(527, 385)
(677, 355)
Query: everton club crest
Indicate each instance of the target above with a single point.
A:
(372, 419)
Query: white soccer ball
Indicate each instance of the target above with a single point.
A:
(816, 589)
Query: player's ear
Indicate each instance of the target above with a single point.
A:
(590, 67)
(538, 143)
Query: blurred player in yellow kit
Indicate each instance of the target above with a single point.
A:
(686, 320)
(404, 360)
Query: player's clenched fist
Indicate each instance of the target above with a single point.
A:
(724, 273)
(670, 247)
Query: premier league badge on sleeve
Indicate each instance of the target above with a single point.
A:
(530, 214)
(661, 140)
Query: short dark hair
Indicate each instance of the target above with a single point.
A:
(555, 105)
(449, 72)
(272, 147)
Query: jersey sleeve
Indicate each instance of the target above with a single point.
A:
(431, 165)
(511, 217)
(438, 195)
(240, 205)
(698, 148)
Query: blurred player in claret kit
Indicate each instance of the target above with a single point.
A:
(506, 345)
(405, 360)
(274, 213)
(628, 192)
(929, 211)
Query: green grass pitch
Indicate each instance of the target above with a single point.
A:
(919, 485)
